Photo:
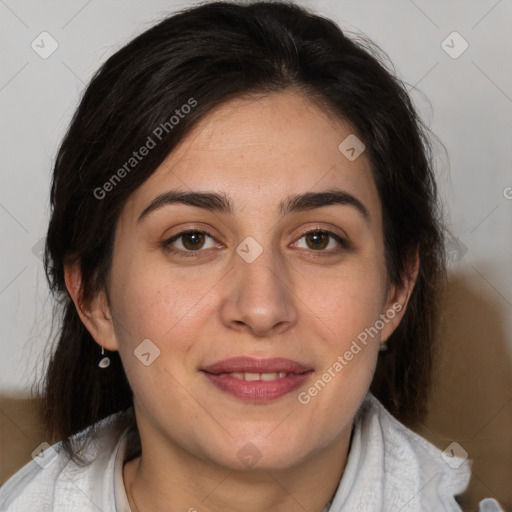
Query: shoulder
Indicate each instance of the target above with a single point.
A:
(54, 482)
(415, 469)
(34, 484)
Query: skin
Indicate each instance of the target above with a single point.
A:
(290, 302)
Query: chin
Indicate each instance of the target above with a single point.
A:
(259, 454)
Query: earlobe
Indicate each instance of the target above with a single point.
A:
(95, 314)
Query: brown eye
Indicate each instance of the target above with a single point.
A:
(322, 242)
(193, 240)
(317, 240)
(189, 242)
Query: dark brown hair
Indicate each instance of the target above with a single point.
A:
(212, 53)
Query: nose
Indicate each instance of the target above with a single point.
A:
(259, 299)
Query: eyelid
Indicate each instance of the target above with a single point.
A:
(167, 243)
(341, 240)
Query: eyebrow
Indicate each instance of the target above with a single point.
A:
(219, 202)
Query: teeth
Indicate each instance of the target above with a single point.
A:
(268, 376)
(247, 376)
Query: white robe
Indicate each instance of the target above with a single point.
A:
(389, 469)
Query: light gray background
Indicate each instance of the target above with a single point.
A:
(470, 110)
(469, 107)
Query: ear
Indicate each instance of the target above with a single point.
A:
(95, 315)
(398, 297)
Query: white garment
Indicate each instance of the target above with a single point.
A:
(389, 468)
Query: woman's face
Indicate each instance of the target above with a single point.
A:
(254, 286)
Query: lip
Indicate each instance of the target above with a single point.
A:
(257, 391)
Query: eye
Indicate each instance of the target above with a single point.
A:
(189, 241)
(318, 240)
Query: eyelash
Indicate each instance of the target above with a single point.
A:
(167, 244)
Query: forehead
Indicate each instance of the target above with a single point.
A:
(259, 149)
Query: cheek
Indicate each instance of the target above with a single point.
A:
(347, 355)
(170, 308)
(170, 312)
(346, 301)
(345, 310)
(153, 302)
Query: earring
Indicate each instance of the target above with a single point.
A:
(105, 361)
(383, 347)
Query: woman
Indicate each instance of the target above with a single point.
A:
(246, 242)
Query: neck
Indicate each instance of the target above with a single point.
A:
(158, 482)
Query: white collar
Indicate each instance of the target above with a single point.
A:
(120, 497)
(389, 467)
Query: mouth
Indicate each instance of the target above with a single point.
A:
(257, 380)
